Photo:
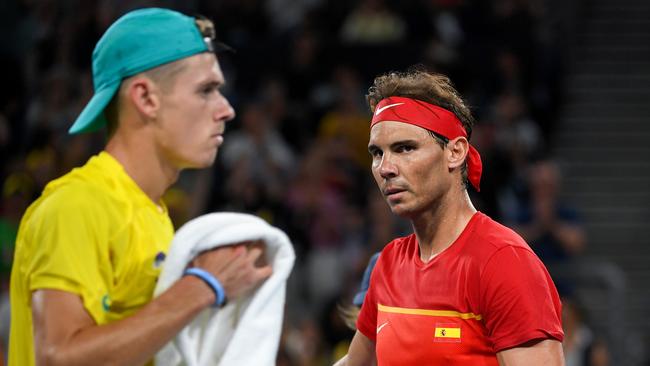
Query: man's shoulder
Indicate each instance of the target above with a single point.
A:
(76, 188)
(81, 189)
(493, 236)
(64, 202)
(401, 242)
(398, 247)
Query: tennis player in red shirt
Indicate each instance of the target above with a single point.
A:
(462, 289)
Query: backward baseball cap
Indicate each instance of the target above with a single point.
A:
(138, 41)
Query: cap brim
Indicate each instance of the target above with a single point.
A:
(219, 47)
(92, 117)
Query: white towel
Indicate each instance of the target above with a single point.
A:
(244, 332)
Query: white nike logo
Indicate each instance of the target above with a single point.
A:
(379, 328)
(379, 110)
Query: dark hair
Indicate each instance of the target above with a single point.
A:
(206, 27)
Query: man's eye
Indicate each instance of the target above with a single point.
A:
(207, 90)
(375, 153)
(405, 148)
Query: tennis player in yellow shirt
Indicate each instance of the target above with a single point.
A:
(89, 249)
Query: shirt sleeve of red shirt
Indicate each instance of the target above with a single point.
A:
(519, 301)
(367, 320)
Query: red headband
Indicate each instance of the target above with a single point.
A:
(432, 118)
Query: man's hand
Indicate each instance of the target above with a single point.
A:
(239, 267)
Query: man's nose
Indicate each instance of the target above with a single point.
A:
(224, 111)
(387, 167)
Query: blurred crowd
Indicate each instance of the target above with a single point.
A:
(296, 154)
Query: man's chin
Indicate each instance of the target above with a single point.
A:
(210, 158)
(203, 163)
(404, 211)
(206, 164)
(399, 210)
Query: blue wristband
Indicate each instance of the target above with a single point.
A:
(211, 281)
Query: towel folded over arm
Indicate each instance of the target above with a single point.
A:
(247, 330)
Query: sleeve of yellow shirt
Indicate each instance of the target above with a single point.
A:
(70, 247)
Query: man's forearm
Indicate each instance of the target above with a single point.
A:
(130, 341)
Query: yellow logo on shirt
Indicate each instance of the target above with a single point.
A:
(106, 302)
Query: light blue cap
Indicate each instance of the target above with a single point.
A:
(138, 41)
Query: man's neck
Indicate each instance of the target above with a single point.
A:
(438, 228)
(148, 170)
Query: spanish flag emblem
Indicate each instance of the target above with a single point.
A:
(447, 333)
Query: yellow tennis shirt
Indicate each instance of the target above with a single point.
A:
(94, 233)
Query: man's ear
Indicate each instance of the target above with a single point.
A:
(144, 94)
(458, 149)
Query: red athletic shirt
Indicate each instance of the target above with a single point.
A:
(485, 293)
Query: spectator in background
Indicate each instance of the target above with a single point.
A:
(289, 119)
(302, 67)
(517, 140)
(321, 215)
(346, 120)
(517, 135)
(285, 15)
(53, 109)
(581, 346)
(507, 78)
(548, 223)
(258, 159)
(372, 22)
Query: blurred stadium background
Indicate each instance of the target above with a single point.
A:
(560, 89)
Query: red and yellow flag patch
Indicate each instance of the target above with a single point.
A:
(447, 333)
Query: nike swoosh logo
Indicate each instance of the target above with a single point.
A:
(386, 107)
(379, 328)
